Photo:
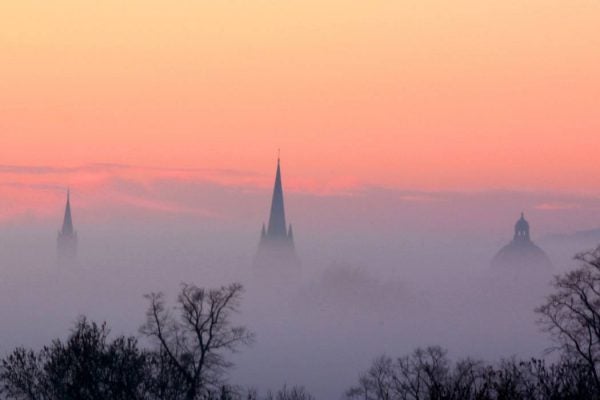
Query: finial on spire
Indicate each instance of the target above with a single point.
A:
(278, 155)
(522, 215)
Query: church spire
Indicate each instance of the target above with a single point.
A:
(67, 228)
(277, 225)
(67, 237)
(276, 246)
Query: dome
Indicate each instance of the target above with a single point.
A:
(521, 252)
(521, 256)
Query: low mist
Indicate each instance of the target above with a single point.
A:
(414, 272)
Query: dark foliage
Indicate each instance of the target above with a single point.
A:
(87, 366)
(188, 361)
(571, 315)
(293, 393)
(427, 374)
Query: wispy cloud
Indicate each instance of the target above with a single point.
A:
(421, 197)
(113, 167)
(38, 191)
(115, 192)
(163, 206)
(35, 169)
(556, 206)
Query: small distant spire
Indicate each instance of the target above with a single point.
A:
(277, 226)
(67, 237)
(67, 227)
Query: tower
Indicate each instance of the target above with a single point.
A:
(276, 244)
(522, 230)
(67, 237)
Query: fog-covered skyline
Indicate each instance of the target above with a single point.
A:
(382, 270)
(417, 140)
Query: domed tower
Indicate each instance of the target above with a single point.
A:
(522, 230)
(521, 252)
(67, 236)
(276, 244)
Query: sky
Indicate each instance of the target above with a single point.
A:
(428, 95)
(120, 101)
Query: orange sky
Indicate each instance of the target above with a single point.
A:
(428, 94)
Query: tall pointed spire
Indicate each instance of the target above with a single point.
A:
(67, 237)
(277, 225)
(67, 228)
(276, 247)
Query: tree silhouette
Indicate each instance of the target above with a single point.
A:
(427, 374)
(571, 315)
(192, 345)
(88, 366)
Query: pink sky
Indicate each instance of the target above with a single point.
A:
(424, 96)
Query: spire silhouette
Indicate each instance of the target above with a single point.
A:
(67, 237)
(276, 247)
(67, 228)
(277, 225)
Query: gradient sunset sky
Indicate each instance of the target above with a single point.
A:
(416, 95)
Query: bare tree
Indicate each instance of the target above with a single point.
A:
(293, 393)
(424, 374)
(571, 315)
(193, 346)
(427, 374)
(380, 382)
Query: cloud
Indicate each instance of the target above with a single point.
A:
(119, 192)
(35, 169)
(106, 190)
(556, 206)
(162, 206)
(421, 197)
(115, 167)
(339, 186)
